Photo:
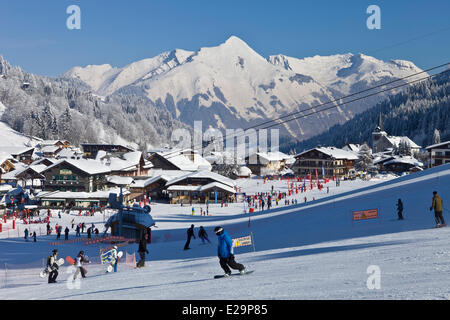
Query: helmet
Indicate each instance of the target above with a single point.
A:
(55, 251)
(115, 247)
(218, 230)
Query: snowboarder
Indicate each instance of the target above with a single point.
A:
(73, 222)
(34, 236)
(142, 250)
(52, 266)
(400, 209)
(437, 206)
(203, 235)
(26, 234)
(115, 258)
(225, 252)
(190, 234)
(79, 261)
(66, 233)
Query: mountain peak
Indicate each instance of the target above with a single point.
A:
(235, 41)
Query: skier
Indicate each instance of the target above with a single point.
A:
(400, 209)
(190, 234)
(34, 236)
(79, 261)
(115, 258)
(66, 233)
(52, 266)
(437, 206)
(142, 250)
(73, 222)
(203, 235)
(58, 232)
(26, 234)
(225, 252)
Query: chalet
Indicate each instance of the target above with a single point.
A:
(54, 143)
(326, 161)
(403, 164)
(266, 163)
(6, 164)
(90, 150)
(200, 186)
(50, 151)
(127, 164)
(439, 153)
(185, 160)
(77, 200)
(26, 176)
(84, 175)
(21, 154)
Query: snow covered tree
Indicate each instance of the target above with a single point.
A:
(365, 158)
(436, 137)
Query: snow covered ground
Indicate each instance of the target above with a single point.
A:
(312, 250)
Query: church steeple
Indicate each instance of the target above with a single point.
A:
(380, 124)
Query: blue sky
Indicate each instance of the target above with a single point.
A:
(33, 34)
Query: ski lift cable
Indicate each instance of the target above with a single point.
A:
(346, 102)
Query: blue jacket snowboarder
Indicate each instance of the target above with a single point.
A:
(225, 252)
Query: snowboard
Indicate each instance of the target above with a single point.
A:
(219, 276)
(45, 272)
(70, 260)
(110, 267)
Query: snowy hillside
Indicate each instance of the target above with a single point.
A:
(231, 85)
(312, 250)
(10, 137)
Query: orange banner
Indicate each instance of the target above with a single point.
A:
(365, 214)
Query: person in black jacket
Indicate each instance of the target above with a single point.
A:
(142, 250)
(66, 233)
(203, 235)
(52, 266)
(190, 234)
(400, 209)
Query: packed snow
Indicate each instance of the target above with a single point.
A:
(311, 250)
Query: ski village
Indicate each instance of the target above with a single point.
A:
(316, 213)
(226, 170)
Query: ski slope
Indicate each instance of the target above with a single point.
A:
(313, 250)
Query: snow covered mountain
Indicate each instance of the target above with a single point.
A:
(232, 86)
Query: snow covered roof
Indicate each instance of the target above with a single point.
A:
(405, 160)
(119, 180)
(14, 150)
(396, 140)
(204, 175)
(335, 153)
(87, 165)
(100, 194)
(180, 160)
(351, 147)
(243, 171)
(50, 149)
(207, 187)
(437, 145)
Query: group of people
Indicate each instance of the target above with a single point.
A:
(436, 204)
(201, 234)
(53, 265)
(225, 251)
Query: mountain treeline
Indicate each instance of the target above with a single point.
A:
(60, 108)
(415, 112)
